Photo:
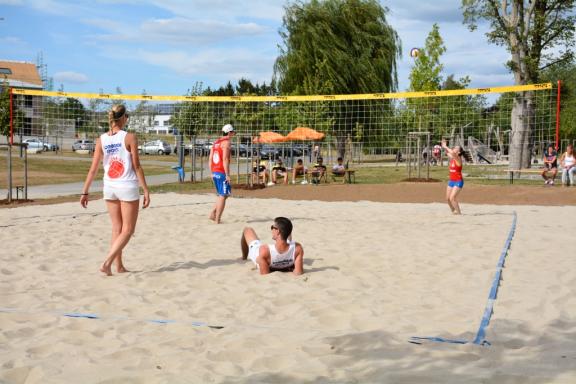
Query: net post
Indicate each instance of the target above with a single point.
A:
(11, 116)
(558, 115)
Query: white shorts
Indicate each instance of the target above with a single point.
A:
(254, 250)
(121, 193)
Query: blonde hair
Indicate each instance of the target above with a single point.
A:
(116, 113)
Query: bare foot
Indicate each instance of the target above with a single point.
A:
(212, 216)
(106, 269)
(121, 270)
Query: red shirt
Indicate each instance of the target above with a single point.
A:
(217, 159)
(455, 171)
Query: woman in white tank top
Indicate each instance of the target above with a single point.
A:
(568, 163)
(118, 151)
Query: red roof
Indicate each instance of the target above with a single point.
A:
(23, 75)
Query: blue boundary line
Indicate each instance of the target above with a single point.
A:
(481, 333)
(94, 316)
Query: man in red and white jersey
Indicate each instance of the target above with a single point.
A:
(220, 168)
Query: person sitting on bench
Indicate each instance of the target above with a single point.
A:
(550, 165)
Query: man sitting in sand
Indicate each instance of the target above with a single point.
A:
(284, 255)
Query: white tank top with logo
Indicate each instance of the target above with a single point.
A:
(282, 260)
(569, 160)
(118, 169)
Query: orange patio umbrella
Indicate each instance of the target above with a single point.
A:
(269, 137)
(304, 134)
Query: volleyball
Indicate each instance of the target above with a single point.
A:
(116, 169)
(414, 52)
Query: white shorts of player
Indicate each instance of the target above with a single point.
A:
(128, 193)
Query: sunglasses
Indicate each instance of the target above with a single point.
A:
(273, 227)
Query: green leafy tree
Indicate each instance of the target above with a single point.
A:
(17, 115)
(538, 34)
(426, 74)
(566, 71)
(191, 117)
(338, 47)
(5, 109)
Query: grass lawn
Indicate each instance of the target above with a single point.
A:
(45, 170)
(42, 171)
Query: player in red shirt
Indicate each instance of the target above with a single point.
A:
(456, 182)
(220, 168)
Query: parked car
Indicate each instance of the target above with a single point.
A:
(187, 148)
(203, 148)
(34, 144)
(269, 152)
(289, 151)
(242, 149)
(39, 144)
(83, 145)
(51, 147)
(156, 146)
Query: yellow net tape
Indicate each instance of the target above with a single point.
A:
(368, 96)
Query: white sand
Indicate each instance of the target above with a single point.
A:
(376, 274)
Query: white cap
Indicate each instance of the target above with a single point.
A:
(228, 128)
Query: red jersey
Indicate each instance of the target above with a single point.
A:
(455, 171)
(217, 160)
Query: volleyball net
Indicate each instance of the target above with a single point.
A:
(366, 127)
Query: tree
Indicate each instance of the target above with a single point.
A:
(5, 109)
(426, 74)
(190, 117)
(17, 115)
(337, 47)
(566, 71)
(538, 34)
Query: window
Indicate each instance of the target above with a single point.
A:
(27, 126)
(28, 101)
(156, 123)
(5, 71)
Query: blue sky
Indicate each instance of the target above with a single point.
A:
(165, 46)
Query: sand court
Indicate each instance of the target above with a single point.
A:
(375, 275)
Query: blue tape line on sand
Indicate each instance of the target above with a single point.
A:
(481, 334)
(416, 340)
(94, 316)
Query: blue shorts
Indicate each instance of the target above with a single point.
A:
(222, 186)
(458, 184)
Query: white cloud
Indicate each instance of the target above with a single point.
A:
(198, 31)
(12, 41)
(176, 31)
(226, 10)
(70, 77)
(53, 7)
